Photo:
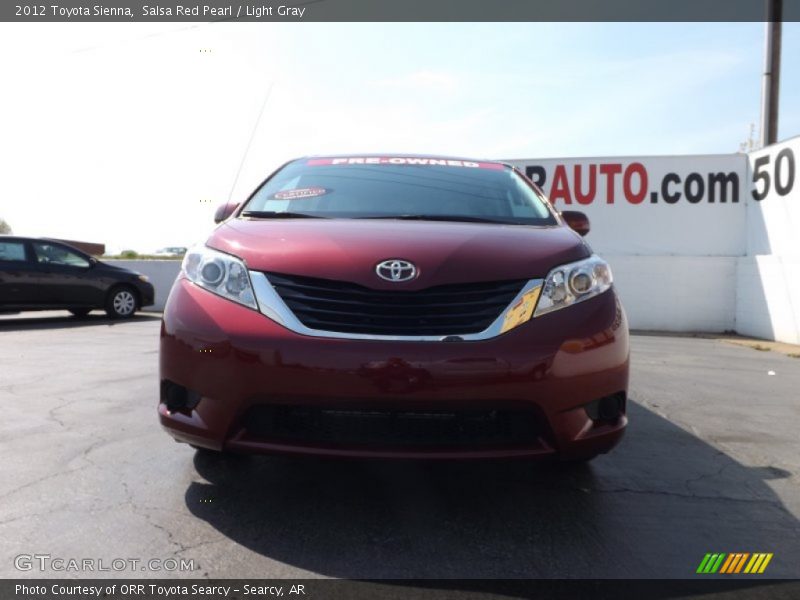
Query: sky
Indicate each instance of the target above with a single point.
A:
(132, 134)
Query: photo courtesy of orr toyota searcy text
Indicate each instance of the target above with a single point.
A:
(163, 591)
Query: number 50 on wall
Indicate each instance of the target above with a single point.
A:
(782, 174)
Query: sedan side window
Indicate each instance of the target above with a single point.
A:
(51, 254)
(12, 251)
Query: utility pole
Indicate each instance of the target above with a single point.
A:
(770, 84)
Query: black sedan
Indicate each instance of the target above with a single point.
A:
(43, 274)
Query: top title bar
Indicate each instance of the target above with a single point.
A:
(395, 10)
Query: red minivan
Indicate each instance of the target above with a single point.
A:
(395, 306)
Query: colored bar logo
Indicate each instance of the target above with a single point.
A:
(736, 562)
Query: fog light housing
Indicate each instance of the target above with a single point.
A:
(607, 409)
(177, 397)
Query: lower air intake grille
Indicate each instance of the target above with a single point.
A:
(395, 428)
(457, 309)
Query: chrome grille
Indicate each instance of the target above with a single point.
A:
(456, 309)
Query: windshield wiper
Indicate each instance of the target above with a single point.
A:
(461, 218)
(271, 214)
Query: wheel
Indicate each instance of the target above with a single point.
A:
(80, 312)
(121, 303)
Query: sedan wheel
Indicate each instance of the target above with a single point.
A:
(121, 304)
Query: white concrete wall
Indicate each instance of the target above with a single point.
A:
(768, 297)
(162, 274)
(677, 293)
(768, 289)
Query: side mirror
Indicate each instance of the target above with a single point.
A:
(577, 221)
(92, 261)
(224, 211)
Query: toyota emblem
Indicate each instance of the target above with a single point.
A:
(396, 270)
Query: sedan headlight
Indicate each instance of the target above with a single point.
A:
(569, 284)
(220, 273)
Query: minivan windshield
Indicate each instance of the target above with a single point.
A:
(400, 188)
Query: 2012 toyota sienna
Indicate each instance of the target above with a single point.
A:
(397, 307)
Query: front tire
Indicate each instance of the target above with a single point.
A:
(121, 303)
(209, 454)
(577, 461)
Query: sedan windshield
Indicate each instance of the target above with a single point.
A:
(400, 188)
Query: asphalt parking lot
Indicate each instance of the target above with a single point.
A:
(709, 464)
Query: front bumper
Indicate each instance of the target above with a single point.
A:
(147, 293)
(233, 360)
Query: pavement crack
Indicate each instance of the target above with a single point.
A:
(38, 481)
(52, 416)
(20, 518)
(623, 490)
(144, 513)
(688, 483)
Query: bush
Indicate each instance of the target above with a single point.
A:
(129, 254)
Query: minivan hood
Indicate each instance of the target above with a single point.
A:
(350, 249)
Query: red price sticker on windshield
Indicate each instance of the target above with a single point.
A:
(300, 193)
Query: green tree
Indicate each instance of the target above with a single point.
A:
(5, 227)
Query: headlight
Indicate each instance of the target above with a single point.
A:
(569, 284)
(220, 273)
(144, 278)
